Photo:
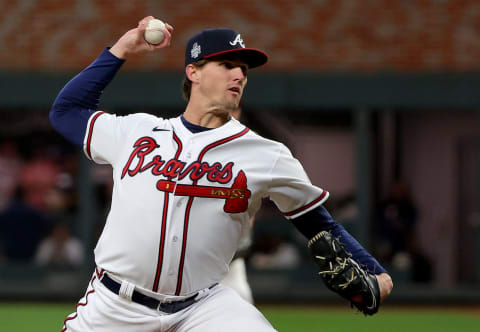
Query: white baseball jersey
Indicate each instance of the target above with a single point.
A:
(181, 201)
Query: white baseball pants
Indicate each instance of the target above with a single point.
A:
(222, 309)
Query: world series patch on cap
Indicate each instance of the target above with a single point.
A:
(215, 42)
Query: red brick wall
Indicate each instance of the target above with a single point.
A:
(323, 35)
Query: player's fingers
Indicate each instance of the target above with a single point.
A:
(142, 25)
(169, 27)
(168, 33)
(168, 36)
(144, 21)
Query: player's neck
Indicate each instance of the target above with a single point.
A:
(206, 117)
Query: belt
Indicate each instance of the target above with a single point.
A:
(168, 307)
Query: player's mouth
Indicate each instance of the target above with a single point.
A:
(235, 90)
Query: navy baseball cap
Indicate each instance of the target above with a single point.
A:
(216, 42)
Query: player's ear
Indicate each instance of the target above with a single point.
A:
(192, 73)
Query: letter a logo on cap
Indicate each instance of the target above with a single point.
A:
(238, 40)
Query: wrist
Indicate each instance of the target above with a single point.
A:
(119, 51)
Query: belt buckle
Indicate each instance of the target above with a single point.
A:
(160, 304)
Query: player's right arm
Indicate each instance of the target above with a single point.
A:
(80, 97)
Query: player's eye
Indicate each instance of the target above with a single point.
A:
(228, 65)
(231, 65)
(244, 69)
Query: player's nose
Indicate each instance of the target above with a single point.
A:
(239, 74)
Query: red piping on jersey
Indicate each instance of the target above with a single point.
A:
(303, 208)
(179, 143)
(80, 304)
(225, 140)
(164, 224)
(90, 131)
(184, 246)
(99, 273)
(162, 243)
(189, 206)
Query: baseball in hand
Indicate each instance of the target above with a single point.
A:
(154, 33)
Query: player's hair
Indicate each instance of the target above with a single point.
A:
(187, 84)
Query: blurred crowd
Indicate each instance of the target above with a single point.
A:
(38, 203)
(395, 225)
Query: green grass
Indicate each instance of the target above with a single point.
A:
(21, 317)
(391, 320)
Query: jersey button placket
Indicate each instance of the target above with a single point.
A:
(177, 201)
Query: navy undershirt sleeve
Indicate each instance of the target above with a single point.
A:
(80, 97)
(317, 220)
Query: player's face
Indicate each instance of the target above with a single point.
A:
(222, 82)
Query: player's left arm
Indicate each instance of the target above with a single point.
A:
(345, 266)
(319, 219)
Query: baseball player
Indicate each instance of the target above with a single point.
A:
(184, 191)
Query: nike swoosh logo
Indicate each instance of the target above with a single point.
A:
(160, 129)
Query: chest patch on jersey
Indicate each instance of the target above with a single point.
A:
(236, 197)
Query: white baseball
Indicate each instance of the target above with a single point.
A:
(154, 33)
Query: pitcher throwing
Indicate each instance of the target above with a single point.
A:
(184, 191)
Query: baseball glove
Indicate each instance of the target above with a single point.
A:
(343, 275)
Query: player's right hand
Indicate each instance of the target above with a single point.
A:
(133, 41)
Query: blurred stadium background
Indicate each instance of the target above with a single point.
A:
(378, 99)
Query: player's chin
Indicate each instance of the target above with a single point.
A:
(237, 95)
(231, 103)
(235, 102)
(232, 106)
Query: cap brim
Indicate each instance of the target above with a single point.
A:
(253, 57)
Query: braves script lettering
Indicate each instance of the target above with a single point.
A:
(172, 168)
